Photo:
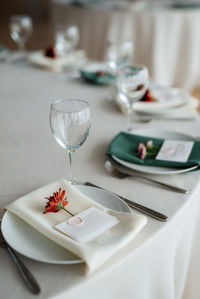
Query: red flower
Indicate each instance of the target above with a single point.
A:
(56, 202)
(100, 73)
(51, 52)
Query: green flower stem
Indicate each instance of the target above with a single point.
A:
(66, 211)
(153, 149)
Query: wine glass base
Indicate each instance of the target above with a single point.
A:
(110, 98)
(75, 182)
(19, 58)
(70, 75)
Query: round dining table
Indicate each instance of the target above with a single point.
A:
(166, 37)
(162, 260)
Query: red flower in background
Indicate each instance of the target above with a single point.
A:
(56, 202)
(51, 52)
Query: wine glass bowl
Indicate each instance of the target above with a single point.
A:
(66, 39)
(132, 83)
(21, 27)
(70, 125)
(119, 54)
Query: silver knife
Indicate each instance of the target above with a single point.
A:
(128, 171)
(135, 205)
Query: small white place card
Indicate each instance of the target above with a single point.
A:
(175, 150)
(94, 223)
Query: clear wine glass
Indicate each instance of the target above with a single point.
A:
(66, 39)
(119, 54)
(132, 83)
(70, 124)
(21, 28)
(66, 42)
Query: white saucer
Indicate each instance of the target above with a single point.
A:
(170, 101)
(30, 243)
(167, 98)
(159, 133)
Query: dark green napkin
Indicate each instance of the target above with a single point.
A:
(186, 5)
(125, 147)
(96, 78)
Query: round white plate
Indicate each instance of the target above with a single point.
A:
(169, 101)
(167, 98)
(159, 133)
(95, 67)
(30, 243)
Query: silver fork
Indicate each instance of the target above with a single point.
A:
(113, 166)
(26, 275)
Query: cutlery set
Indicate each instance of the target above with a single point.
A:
(26, 275)
(121, 172)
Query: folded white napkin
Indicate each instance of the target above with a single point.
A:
(169, 103)
(94, 253)
(73, 60)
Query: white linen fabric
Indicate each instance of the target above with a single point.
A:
(58, 64)
(96, 252)
(167, 41)
(168, 105)
(162, 261)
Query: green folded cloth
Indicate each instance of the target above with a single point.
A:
(125, 147)
(186, 5)
(97, 77)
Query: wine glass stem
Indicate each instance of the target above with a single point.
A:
(71, 165)
(21, 47)
(129, 120)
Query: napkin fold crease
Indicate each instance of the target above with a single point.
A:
(94, 253)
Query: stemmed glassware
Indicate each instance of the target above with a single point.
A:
(132, 83)
(119, 54)
(66, 39)
(66, 42)
(21, 27)
(70, 124)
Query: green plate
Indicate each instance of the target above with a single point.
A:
(94, 78)
(97, 73)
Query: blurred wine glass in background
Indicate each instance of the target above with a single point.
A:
(119, 54)
(66, 39)
(21, 27)
(132, 83)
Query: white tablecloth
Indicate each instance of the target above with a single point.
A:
(161, 262)
(167, 41)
